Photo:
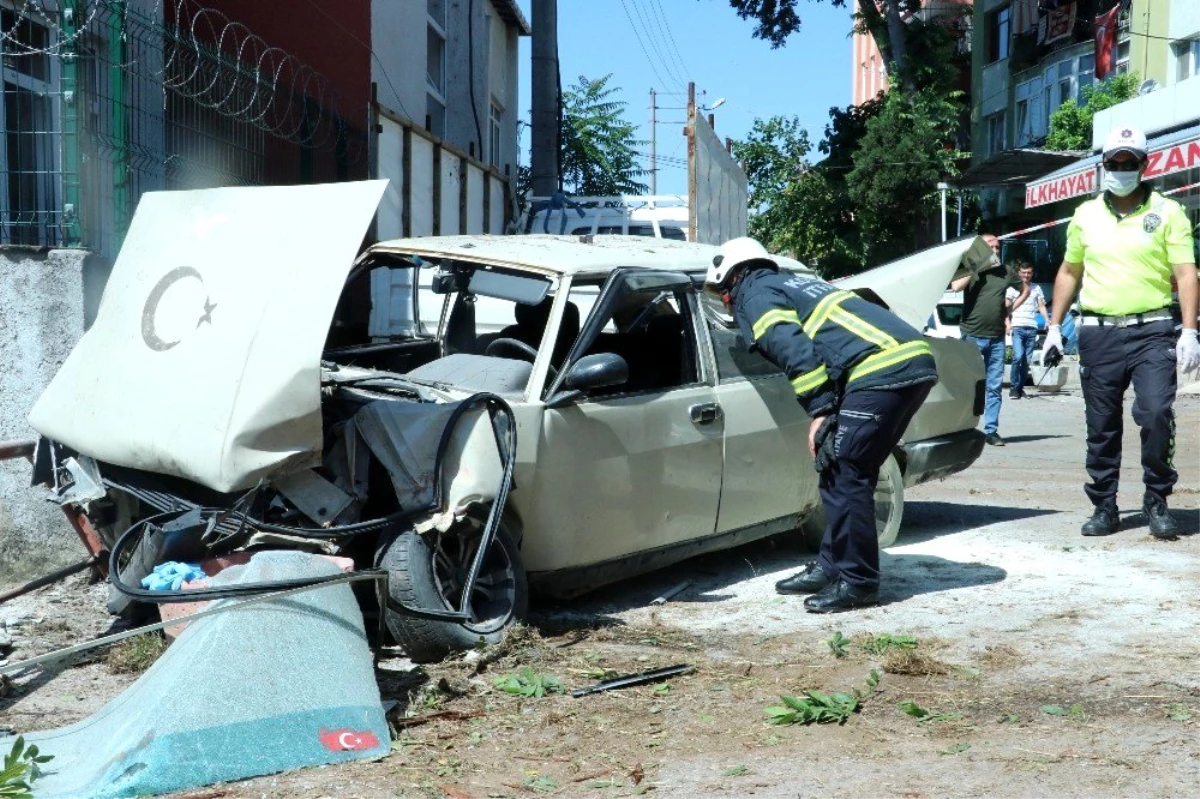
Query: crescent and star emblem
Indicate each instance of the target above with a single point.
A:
(150, 309)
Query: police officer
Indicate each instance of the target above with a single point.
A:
(861, 373)
(1122, 249)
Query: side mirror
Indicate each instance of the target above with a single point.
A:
(591, 371)
(597, 371)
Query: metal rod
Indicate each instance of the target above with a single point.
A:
(52, 577)
(16, 449)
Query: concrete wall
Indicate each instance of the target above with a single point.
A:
(41, 318)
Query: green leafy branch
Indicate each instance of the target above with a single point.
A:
(528, 683)
(816, 707)
(21, 768)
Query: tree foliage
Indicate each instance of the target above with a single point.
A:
(871, 198)
(1071, 124)
(884, 20)
(599, 155)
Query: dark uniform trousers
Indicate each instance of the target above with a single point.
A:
(870, 422)
(1110, 358)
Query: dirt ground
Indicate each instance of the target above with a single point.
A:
(1045, 663)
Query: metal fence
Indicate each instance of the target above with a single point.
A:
(106, 99)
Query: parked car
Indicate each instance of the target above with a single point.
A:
(645, 432)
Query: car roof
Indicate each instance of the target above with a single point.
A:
(560, 254)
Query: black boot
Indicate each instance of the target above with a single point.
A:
(1105, 521)
(839, 596)
(808, 580)
(1161, 523)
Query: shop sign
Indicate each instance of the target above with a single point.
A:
(1176, 158)
(1063, 188)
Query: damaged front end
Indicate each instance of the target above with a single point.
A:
(398, 462)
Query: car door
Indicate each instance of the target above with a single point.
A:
(768, 474)
(635, 467)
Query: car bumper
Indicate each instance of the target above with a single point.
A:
(939, 457)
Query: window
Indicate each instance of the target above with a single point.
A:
(1086, 74)
(495, 140)
(999, 34)
(1031, 124)
(995, 132)
(1187, 59)
(734, 360)
(435, 115)
(435, 59)
(1123, 57)
(649, 325)
(30, 200)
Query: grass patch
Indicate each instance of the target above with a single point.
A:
(910, 661)
(135, 655)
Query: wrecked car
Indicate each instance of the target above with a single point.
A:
(573, 412)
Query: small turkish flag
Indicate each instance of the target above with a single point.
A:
(347, 740)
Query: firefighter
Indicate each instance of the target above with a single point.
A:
(860, 373)
(1123, 247)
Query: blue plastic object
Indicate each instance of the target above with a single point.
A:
(170, 576)
(266, 688)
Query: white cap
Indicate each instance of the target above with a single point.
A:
(1130, 140)
(734, 253)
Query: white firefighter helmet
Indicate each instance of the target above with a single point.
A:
(734, 254)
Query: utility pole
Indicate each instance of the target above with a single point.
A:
(545, 114)
(653, 144)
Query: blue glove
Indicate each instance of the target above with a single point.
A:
(170, 576)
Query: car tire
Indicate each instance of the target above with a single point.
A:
(425, 571)
(889, 509)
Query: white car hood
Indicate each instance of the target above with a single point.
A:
(912, 286)
(204, 360)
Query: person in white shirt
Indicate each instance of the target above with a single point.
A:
(1023, 310)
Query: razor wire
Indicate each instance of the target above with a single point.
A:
(206, 57)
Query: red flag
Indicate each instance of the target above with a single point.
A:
(1106, 41)
(347, 740)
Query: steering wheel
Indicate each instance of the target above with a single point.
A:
(515, 349)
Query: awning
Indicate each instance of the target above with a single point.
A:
(1010, 167)
(1170, 153)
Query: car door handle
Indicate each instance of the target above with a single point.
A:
(705, 413)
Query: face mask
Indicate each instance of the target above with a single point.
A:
(1122, 184)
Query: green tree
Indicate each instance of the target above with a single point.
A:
(884, 20)
(1071, 124)
(599, 155)
(907, 149)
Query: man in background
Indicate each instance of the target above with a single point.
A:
(984, 313)
(1024, 327)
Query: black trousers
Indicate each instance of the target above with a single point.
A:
(1110, 358)
(870, 422)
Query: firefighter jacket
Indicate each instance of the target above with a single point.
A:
(827, 341)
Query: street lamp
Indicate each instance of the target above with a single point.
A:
(943, 188)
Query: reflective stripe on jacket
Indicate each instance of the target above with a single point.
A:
(824, 337)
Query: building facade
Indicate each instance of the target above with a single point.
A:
(1028, 60)
(104, 100)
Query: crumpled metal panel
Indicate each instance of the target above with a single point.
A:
(204, 360)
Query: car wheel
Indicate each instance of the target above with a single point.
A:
(428, 570)
(889, 509)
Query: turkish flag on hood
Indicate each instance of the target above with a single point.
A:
(1106, 41)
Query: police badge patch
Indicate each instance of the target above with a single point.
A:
(1151, 222)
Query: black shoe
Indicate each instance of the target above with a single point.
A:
(1016, 396)
(994, 439)
(808, 580)
(1104, 521)
(839, 596)
(1161, 523)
